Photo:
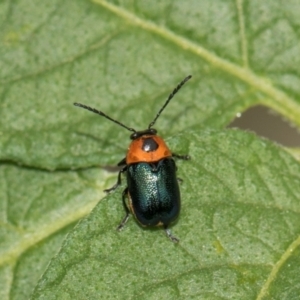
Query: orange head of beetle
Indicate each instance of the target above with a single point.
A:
(147, 148)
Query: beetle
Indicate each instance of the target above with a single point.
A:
(152, 191)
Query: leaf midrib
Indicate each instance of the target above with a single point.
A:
(32, 238)
(272, 276)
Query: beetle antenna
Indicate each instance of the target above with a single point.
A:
(103, 115)
(178, 87)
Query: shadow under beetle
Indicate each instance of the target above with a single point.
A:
(152, 186)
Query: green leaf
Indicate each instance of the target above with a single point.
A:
(37, 210)
(122, 60)
(238, 228)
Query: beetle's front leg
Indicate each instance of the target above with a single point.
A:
(184, 157)
(118, 181)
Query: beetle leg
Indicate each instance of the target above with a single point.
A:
(184, 157)
(169, 235)
(180, 180)
(122, 162)
(125, 219)
(118, 181)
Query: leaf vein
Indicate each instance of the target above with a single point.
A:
(281, 101)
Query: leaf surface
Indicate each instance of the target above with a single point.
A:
(122, 59)
(238, 229)
(239, 238)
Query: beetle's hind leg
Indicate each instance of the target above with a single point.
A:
(170, 235)
(125, 219)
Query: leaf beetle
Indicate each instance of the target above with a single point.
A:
(152, 191)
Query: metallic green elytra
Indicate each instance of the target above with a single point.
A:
(152, 186)
(154, 196)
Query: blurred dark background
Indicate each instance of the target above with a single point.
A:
(267, 123)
